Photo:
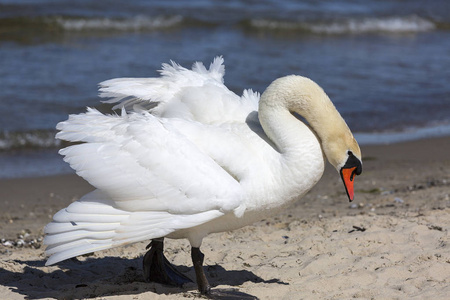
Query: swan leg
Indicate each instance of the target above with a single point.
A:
(197, 261)
(158, 269)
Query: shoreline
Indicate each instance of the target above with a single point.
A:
(46, 162)
(401, 213)
(439, 130)
(34, 158)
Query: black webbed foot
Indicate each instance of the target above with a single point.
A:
(158, 269)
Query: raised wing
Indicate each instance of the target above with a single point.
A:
(198, 94)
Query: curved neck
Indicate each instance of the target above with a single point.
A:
(282, 128)
(299, 161)
(298, 94)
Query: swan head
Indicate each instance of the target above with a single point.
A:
(339, 146)
(348, 170)
(342, 151)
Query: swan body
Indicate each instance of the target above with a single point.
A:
(187, 157)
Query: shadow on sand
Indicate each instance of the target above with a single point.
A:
(108, 276)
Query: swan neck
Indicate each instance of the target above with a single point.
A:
(296, 94)
(281, 127)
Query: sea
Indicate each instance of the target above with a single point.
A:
(384, 63)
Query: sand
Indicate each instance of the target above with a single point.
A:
(391, 243)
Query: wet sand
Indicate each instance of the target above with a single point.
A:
(391, 243)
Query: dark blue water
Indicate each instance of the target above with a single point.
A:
(385, 64)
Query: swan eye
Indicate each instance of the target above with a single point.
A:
(350, 153)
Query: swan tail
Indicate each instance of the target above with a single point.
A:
(92, 224)
(85, 226)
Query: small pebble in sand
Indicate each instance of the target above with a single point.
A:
(23, 240)
(398, 200)
(7, 244)
(357, 205)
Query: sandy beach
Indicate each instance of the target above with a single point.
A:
(391, 243)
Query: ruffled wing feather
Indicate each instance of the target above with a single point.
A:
(198, 94)
(144, 166)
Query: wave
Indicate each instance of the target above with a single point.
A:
(137, 23)
(92, 25)
(395, 24)
(33, 139)
(87, 25)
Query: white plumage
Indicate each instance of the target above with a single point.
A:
(187, 157)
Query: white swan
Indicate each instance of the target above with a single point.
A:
(188, 157)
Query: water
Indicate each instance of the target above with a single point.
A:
(385, 64)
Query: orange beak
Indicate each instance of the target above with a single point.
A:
(348, 175)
